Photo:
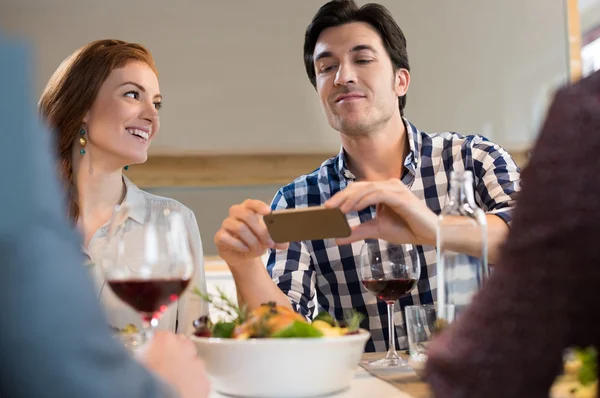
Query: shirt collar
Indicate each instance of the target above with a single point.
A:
(138, 210)
(415, 141)
(411, 161)
(342, 168)
(134, 198)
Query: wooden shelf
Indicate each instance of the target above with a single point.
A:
(165, 171)
(223, 170)
(215, 264)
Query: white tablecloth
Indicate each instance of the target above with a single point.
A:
(363, 385)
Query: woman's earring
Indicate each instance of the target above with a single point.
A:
(126, 168)
(82, 141)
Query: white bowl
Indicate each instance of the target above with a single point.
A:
(281, 368)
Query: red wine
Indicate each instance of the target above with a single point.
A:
(149, 295)
(389, 289)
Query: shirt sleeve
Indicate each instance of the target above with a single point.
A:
(292, 270)
(190, 305)
(497, 177)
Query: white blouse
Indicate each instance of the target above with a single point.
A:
(179, 317)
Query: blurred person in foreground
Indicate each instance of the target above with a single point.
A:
(543, 295)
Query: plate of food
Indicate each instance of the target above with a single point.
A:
(273, 351)
(580, 375)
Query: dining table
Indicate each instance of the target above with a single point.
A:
(378, 383)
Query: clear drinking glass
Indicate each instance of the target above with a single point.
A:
(422, 324)
(389, 271)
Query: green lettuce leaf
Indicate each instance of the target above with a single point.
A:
(223, 329)
(298, 329)
(589, 369)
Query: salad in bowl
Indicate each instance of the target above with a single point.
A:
(274, 352)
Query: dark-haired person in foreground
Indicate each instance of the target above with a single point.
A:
(357, 61)
(543, 296)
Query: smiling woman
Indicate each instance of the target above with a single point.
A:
(91, 99)
(102, 104)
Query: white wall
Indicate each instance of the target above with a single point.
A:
(234, 81)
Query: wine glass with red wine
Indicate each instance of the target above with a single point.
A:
(389, 271)
(148, 265)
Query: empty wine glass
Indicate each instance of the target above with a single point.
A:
(389, 271)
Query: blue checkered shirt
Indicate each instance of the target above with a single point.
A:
(321, 275)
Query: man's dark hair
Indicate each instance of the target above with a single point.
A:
(341, 12)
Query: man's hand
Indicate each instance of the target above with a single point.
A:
(243, 235)
(401, 216)
(242, 239)
(173, 358)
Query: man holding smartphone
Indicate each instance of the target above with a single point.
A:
(390, 179)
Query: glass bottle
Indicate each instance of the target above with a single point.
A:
(460, 275)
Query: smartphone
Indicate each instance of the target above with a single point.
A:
(308, 223)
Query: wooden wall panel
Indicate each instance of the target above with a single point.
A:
(574, 32)
(233, 170)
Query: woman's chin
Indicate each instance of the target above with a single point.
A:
(137, 158)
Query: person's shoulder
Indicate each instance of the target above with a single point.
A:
(163, 202)
(454, 137)
(447, 139)
(587, 85)
(159, 203)
(458, 146)
(306, 189)
(325, 170)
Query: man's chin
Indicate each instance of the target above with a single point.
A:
(352, 127)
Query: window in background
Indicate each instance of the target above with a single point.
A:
(590, 52)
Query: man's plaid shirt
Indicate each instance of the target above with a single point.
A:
(323, 270)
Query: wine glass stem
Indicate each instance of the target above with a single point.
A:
(148, 329)
(391, 354)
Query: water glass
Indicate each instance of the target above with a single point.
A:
(421, 326)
